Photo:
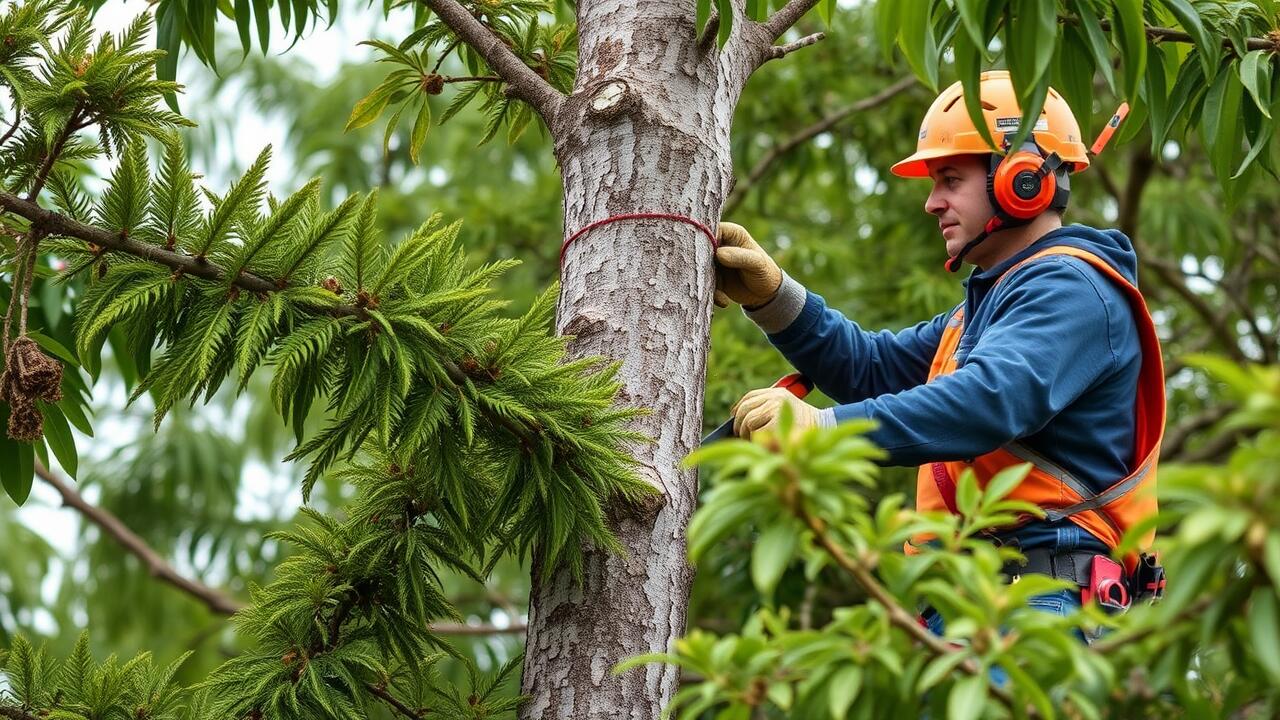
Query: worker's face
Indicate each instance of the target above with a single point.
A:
(959, 199)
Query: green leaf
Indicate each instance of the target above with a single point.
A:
(1096, 40)
(842, 689)
(262, 17)
(54, 347)
(170, 18)
(969, 67)
(826, 9)
(1255, 75)
(243, 18)
(17, 464)
(1271, 557)
(1131, 37)
(1073, 77)
(916, 39)
(967, 493)
(971, 16)
(1259, 131)
(370, 107)
(887, 27)
(939, 669)
(725, 8)
(1032, 42)
(1264, 630)
(1220, 122)
(58, 435)
(968, 698)
(1206, 46)
(774, 550)
(420, 128)
(1155, 84)
(1003, 483)
(1188, 86)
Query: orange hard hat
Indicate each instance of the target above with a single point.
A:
(947, 129)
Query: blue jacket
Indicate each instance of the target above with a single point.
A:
(1050, 357)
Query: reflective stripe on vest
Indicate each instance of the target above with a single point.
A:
(1107, 514)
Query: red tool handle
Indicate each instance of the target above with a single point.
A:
(1104, 137)
(795, 383)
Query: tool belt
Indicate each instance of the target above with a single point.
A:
(1099, 577)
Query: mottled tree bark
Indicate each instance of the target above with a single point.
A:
(646, 129)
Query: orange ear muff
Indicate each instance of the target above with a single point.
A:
(1020, 188)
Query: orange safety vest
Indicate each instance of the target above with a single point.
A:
(1107, 515)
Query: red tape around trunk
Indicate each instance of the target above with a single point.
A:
(641, 216)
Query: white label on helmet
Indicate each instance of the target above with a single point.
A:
(1010, 124)
(924, 130)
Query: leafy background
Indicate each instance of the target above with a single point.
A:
(1197, 194)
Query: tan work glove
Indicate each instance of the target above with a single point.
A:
(759, 410)
(745, 273)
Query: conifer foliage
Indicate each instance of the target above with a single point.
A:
(466, 432)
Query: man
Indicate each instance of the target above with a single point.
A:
(1051, 358)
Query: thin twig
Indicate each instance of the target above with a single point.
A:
(17, 120)
(778, 52)
(54, 223)
(473, 78)
(1129, 199)
(136, 546)
(1175, 438)
(1118, 640)
(898, 615)
(1271, 43)
(73, 125)
(163, 571)
(448, 49)
(394, 702)
(761, 168)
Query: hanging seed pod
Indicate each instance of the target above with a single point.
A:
(26, 424)
(37, 374)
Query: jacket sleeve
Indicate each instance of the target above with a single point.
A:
(1053, 334)
(843, 360)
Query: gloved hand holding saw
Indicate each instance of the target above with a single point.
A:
(745, 273)
(759, 410)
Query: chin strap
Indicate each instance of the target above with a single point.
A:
(994, 224)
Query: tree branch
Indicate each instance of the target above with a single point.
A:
(782, 20)
(898, 616)
(1129, 199)
(394, 702)
(778, 52)
(1175, 439)
(762, 167)
(57, 224)
(163, 571)
(136, 546)
(54, 223)
(17, 120)
(1270, 42)
(525, 83)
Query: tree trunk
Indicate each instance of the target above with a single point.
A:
(646, 130)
